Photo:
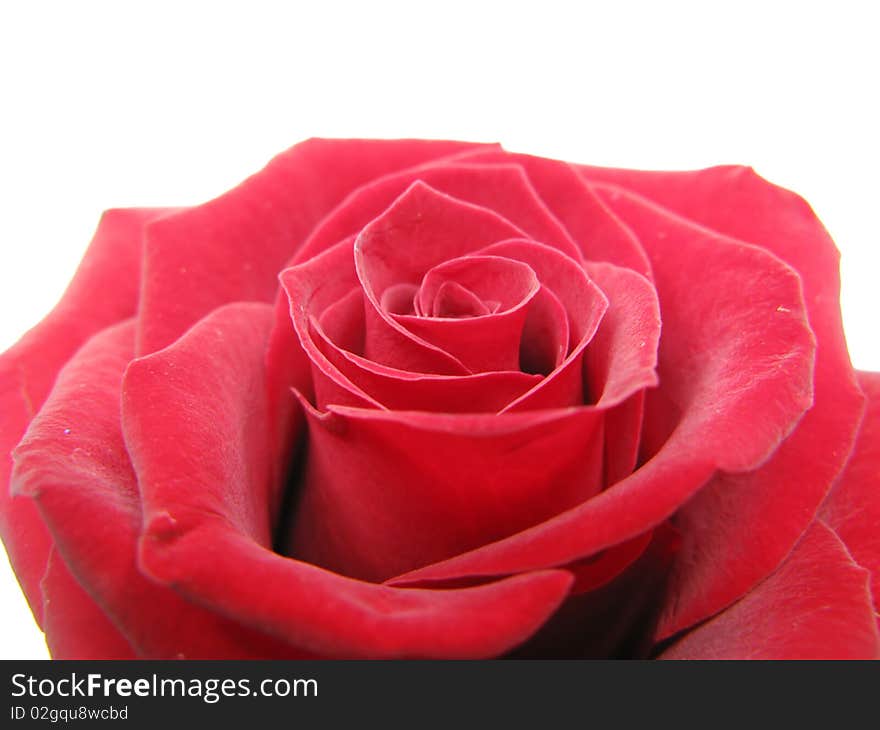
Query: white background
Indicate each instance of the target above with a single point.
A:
(106, 104)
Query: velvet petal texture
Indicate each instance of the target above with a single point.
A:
(207, 536)
(28, 369)
(78, 471)
(817, 605)
(853, 508)
(740, 528)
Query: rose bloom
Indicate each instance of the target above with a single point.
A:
(422, 399)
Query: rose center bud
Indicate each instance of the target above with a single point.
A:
(474, 286)
(454, 301)
(474, 308)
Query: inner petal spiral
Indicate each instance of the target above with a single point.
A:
(482, 340)
(482, 283)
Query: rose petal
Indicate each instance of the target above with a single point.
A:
(486, 343)
(328, 280)
(599, 233)
(76, 628)
(616, 515)
(613, 617)
(179, 404)
(853, 507)
(815, 606)
(761, 517)
(28, 369)
(344, 618)
(78, 471)
(233, 247)
(341, 371)
(400, 299)
(387, 492)
(312, 287)
(623, 430)
(421, 229)
(503, 188)
(343, 321)
(735, 367)
(764, 373)
(621, 359)
(546, 335)
(452, 300)
(506, 282)
(585, 306)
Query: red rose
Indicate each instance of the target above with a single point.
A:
(502, 405)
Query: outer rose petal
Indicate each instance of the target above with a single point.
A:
(738, 530)
(207, 536)
(233, 247)
(79, 472)
(111, 266)
(76, 628)
(853, 507)
(815, 606)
